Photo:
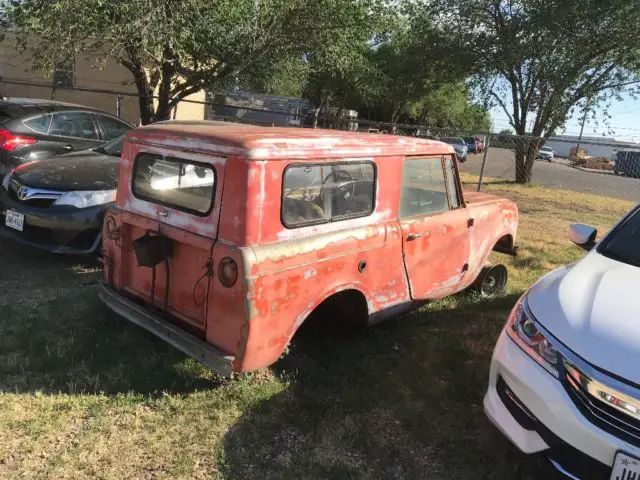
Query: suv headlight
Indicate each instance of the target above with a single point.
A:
(523, 329)
(6, 180)
(87, 199)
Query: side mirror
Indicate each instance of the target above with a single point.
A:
(583, 235)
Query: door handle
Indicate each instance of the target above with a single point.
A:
(413, 236)
(68, 148)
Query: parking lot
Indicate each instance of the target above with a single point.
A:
(82, 389)
(557, 174)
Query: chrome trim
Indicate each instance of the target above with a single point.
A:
(597, 380)
(561, 469)
(24, 193)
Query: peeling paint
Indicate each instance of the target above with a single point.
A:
(285, 274)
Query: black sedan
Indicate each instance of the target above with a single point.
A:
(32, 129)
(58, 204)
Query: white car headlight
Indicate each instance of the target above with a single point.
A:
(6, 180)
(87, 199)
(523, 330)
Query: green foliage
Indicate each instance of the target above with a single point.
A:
(177, 47)
(450, 106)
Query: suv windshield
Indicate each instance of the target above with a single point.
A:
(112, 148)
(452, 140)
(546, 149)
(623, 244)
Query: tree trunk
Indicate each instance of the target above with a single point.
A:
(145, 96)
(316, 112)
(163, 109)
(525, 157)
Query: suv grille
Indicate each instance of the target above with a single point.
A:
(33, 197)
(613, 411)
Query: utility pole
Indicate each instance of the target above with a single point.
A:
(584, 120)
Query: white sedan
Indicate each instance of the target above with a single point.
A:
(565, 373)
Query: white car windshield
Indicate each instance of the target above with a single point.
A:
(623, 244)
(546, 149)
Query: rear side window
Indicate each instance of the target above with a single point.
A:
(326, 193)
(39, 124)
(73, 124)
(424, 189)
(176, 183)
(112, 128)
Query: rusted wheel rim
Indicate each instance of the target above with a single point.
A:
(494, 281)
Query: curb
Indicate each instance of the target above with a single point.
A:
(588, 170)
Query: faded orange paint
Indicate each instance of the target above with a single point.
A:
(284, 274)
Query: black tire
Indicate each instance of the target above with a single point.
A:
(492, 281)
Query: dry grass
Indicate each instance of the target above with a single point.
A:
(87, 395)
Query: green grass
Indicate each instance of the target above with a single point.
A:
(85, 394)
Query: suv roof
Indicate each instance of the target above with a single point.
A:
(18, 107)
(261, 143)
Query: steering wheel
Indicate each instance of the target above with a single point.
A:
(347, 187)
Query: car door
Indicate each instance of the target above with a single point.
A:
(435, 227)
(73, 130)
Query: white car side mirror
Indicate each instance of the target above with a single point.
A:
(583, 235)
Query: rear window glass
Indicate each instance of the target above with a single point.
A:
(39, 124)
(325, 193)
(176, 183)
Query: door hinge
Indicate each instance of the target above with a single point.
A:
(470, 222)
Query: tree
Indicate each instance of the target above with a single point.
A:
(174, 48)
(415, 60)
(541, 60)
(450, 107)
(340, 68)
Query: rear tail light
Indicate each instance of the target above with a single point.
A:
(9, 141)
(228, 272)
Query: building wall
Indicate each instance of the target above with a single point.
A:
(601, 147)
(595, 146)
(17, 66)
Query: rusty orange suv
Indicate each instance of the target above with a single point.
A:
(225, 239)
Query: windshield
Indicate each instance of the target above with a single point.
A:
(453, 140)
(546, 149)
(112, 148)
(623, 244)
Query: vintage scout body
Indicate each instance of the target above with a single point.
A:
(225, 239)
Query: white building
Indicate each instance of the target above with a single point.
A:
(595, 146)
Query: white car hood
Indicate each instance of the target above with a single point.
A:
(593, 307)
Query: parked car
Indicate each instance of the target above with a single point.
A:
(545, 153)
(58, 204)
(224, 240)
(32, 129)
(459, 145)
(472, 145)
(564, 378)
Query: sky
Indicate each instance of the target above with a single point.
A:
(624, 122)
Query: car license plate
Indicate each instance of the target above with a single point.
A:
(625, 467)
(14, 220)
